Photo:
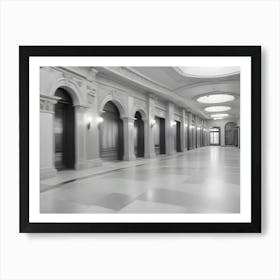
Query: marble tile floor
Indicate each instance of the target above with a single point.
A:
(205, 180)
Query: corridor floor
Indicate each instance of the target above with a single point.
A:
(205, 180)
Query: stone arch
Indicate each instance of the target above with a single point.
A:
(229, 132)
(71, 87)
(116, 102)
(141, 110)
(111, 132)
(230, 124)
(140, 125)
(64, 131)
(79, 115)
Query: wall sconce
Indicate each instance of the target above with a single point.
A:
(153, 122)
(191, 126)
(99, 120)
(173, 123)
(186, 126)
(198, 128)
(89, 121)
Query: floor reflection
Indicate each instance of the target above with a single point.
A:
(205, 180)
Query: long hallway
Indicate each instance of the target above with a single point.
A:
(205, 180)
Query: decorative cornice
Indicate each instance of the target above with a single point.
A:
(177, 114)
(156, 90)
(160, 107)
(69, 72)
(151, 86)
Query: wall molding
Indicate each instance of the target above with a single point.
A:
(149, 85)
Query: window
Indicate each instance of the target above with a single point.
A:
(215, 136)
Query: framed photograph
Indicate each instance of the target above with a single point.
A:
(154, 139)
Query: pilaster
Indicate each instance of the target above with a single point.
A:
(80, 137)
(47, 168)
(128, 131)
(170, 129)
(92, 119)
(191, 131)
(183, 131)
(148, 127)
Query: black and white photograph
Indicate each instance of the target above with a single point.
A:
(141, 137)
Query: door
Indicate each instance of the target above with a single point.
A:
(162, 136)
(111, 133)
(230, 133)
(64, 124)
(138, 135)
(214, 134)
(178, 136)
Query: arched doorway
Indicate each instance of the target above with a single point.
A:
(215, 136)
(159, 135)
(198, 137)
(186, 137)
(203, 136)
(194, 134)
(111, 133)
(230, 133)
(190, 137)
(237, 137)
(64, 131)
(139, 135)
(177, 139)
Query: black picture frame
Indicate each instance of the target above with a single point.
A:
(25, 52)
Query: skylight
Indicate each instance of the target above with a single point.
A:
(219, 116)
(217, 109)
(210, 72)
(215, 98)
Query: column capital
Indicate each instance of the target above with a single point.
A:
(47, 103)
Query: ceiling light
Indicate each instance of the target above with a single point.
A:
(209, 72)
(217, 109)
(219, 115)
(215, 98)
